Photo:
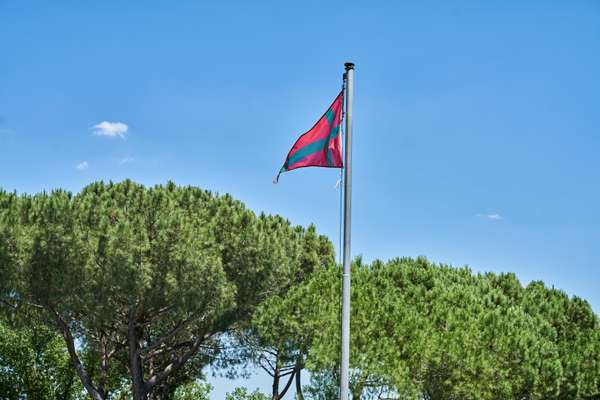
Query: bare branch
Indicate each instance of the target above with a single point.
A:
(175, 365)
(166, 349)
(85, 378)
(268, 371)
(171, 334)
(14, 306)
(269, 363)
(289, 382)
(290, 368)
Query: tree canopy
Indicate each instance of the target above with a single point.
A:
(427, 331)
(125, 291)
(34, 364)
(147, 279)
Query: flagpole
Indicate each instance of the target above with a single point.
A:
(345, 350)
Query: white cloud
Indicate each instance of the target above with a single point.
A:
(110, 129)
(495, 217)
(126, 160)
(82, 165)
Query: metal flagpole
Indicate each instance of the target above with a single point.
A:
(345, 358)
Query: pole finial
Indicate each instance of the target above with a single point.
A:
(349, 66)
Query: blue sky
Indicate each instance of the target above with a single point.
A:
(477, 124)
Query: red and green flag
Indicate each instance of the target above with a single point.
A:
(321, 146)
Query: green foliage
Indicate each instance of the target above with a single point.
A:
(323, 386)
(193, 391)
(34, 364)
(279, 339)
(142, 285)
(573, 327)
(421, 330)
(147, 279)
(242, 394)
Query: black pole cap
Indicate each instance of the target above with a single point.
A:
(349, 65)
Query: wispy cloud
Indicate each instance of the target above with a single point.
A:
(110, 129)
(126, 160)
(495, 217)
(82, 165)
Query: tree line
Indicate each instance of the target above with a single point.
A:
(122, 291)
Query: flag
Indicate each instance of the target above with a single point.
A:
(321, 146)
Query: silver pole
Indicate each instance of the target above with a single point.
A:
(345, 359)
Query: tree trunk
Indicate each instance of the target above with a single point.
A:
(87, 382)
(288, 384)
(138, 390)
(275, 395)
(299, 395)
(103, 380)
